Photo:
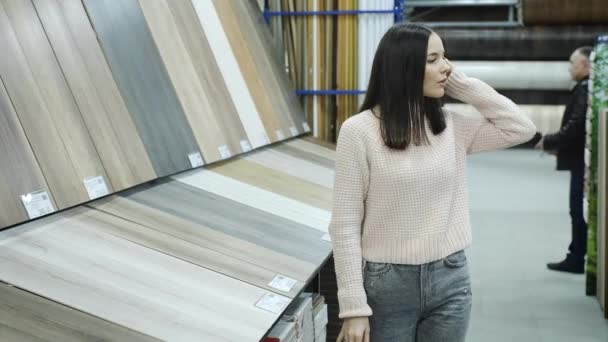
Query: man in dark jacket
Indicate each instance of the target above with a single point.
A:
(569, 145)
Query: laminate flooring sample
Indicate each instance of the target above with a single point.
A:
(260, 42)
(277, 182)
(27, 317)
(189, 251)
(322, 158)
(45, 106)
(195, 101)
(20, 173)
(92, 84)
(313, 147)
(299, 167)
(257, 198)
(205, 237)
(232, 74)
(143, 81)
(234, 219)
(70, 259)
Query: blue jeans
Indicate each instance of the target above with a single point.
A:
(423, 303)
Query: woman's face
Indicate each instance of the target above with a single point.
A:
(437, 69)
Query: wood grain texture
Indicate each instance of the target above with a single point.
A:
(45, 106)
(231, 72)
(257, 198)
(205, 237)
(166, 243)
(143, 81)
(209, 75)
(20, 173)
(253, 225)
(295, 166)
(257, 34)
(27, 317)
(321, 156)
(253, 76)
(103, 109)
(71, 260)
(180, 68)
(277, 182)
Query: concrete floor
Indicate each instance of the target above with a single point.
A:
(519, 210)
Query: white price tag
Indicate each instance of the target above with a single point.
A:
(96, 187)
(283, 283)
(293, 130)
(280, 134)
(245, 146)
(272, 302)
(326, 237)
(306, 127)
(196, 159)
(224, 152)
(264, 138)
(37, 204)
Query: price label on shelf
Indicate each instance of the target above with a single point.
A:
(196, 159)
(224, 152)
(306, 127)
(272, 302)
(293, 130)
(283, 283)
(280, 135)
(96, 187)
(37, 204)
(245, 146)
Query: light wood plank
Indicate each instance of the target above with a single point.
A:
(46, 110)
(20, 173)
(203, 236)
(27, 317)
(72, 261)
(277, 182)
(103, 109)
(231, 71)
(324, 159)
(257, 198)
(143, 81)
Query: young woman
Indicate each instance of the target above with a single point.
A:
(400, 200)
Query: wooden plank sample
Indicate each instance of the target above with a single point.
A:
(232, 73)
(45, 106)
(277, 182)
(294, 166)
(250, 224)
(90, 79)
(20, 173)
(257, 198)
(322, 156)
(166, 243)
(27, 317)
(143, 81)
(209, 75)
(71, 260)
(192, 96)
(205, 237)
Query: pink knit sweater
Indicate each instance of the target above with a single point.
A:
(411, 207)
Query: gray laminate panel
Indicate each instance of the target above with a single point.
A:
(235, 219)
(144, 83)
(298, 153)
(27, 317)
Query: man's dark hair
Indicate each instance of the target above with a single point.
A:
(396, 87)
(585, 51)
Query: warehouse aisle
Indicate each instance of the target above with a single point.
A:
(519, 209)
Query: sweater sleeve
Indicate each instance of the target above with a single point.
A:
(502, 124)
(350, 191)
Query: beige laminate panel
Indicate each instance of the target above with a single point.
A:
(278, 182)
(101, 105)
(27, 317)
(205, 237)
(70, 259)
(193, 97)
(20, 173)
(45, 106)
